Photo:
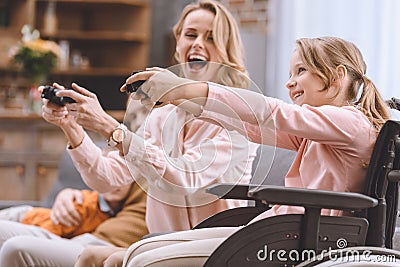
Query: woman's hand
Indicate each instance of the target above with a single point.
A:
(62, 117)
(63, 210)
(55, 114)
(88, 111)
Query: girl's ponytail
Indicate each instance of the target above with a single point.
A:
(372, 104)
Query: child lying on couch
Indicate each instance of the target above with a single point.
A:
(91, 209)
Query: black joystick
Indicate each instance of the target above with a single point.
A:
(49, 92)
(135, 87)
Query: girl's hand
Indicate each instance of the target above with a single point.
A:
(161, 85)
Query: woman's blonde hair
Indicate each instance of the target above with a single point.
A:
(322, 56)
(226, 38)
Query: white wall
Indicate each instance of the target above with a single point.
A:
(371, 24)
(255, 45)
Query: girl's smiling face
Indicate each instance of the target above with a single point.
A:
(306, 87)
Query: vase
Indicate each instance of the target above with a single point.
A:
(34, 100)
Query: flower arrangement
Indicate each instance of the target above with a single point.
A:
(36, 57)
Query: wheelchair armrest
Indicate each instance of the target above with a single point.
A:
(394, 176)
(313, 198)
(230, 191)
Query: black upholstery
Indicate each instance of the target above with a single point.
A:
(373, 222)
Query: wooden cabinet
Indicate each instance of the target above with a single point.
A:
(111, 37)
(108, 39)
(30, 150)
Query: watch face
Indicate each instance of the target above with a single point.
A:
(118, 135)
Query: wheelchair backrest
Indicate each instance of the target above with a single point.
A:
(382, 183)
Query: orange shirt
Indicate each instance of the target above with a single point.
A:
(91, 217)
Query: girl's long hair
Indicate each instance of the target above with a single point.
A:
(322, 56)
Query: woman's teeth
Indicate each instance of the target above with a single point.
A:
(197, 61)
(197, 58)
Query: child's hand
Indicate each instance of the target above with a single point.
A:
(63, 210)
(161, 85)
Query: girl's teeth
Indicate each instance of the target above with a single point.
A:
(297, 95)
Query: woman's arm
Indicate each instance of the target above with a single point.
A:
(101, 170)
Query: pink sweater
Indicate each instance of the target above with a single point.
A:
(333, 144)
(175, 163)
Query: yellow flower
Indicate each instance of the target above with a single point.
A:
(43, 46)
(36, 57)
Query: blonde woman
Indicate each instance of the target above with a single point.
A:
(174, 155)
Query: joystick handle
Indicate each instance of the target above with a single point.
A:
(135, 88)
(49, 92)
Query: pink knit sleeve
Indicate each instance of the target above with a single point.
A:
(101, 170)
(271, 121)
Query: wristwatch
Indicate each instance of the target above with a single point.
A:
(117, 135)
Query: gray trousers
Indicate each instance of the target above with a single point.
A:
(25, 245)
